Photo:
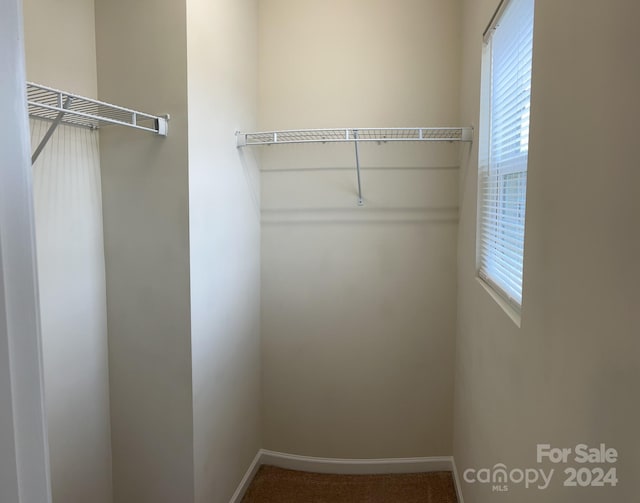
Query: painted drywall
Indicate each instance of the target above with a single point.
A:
(71, 275)
(8, 462)
(358, 303)
(224, 234)
(60, 44)
(24, 459)
(569, 374)
(142, 63)
(60, 53)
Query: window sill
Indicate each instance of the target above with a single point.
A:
(506, 307)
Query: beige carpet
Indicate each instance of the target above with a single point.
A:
(276, 485)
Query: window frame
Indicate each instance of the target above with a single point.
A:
(491, 178)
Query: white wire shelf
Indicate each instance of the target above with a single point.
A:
(47, 103)
(60, 107)
(380, 135)
(356, 136)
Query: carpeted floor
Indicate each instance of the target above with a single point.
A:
(276, 485)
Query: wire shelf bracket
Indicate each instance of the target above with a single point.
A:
(357, 136)
(60, 107)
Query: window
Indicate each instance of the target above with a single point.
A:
(504, 147)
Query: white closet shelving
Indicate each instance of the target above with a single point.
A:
(463, 134)
(355, 136)
(60, 107)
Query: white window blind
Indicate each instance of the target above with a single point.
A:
(503, 163)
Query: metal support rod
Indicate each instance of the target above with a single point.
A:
(51, 130)
(355, 136)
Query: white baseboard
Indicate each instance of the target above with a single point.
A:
(246, 480)
(346, 467)
(355, 466)
(456, 481)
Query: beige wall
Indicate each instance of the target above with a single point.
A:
(60, 44)
(142, 63)
(224, 234)
(358, 304)
(569, 374)
(68, 210)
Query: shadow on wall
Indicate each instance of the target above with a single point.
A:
(71, 274)
(249, 159)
